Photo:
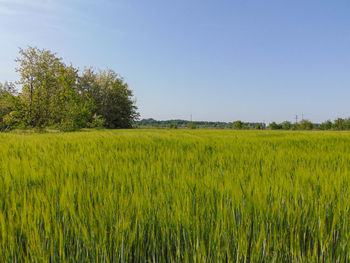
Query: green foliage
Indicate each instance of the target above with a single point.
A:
(327, 125)
(192, 125)
(286, 125)
(274, 126)
(68, 125)
(111, 97)
(39, 129)
(12, 120)
(175, 196)
(172, 126)
(10, 107)
(339, 124)
(259, 127)
(238, 125)
(97, 121)
(347, 124)
(54, 95)
(151, 123)
(305, 125)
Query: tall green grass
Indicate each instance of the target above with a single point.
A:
(175, 196)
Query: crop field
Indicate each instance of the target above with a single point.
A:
(175, 196)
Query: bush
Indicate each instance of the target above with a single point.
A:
(238, 125)
(274, 126)
(327, 125)
(172, 126)
(68, 125)
(192, 126)
(306, 125)
(39, 129)
(97, 121)
(339, 124)
(286, 125)
(12, 120)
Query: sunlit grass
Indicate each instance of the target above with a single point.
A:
(175, 195)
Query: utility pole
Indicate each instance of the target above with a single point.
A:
(302, 116)
(296, 119)
(191, 118)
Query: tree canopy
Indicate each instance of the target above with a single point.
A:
(53, 94)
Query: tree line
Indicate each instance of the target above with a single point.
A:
(338, 124)
(152, 123)
(53, 94)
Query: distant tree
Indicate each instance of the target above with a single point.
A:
(339, 124)
(306, 125)
(191, 125)
(258, 127)
(327, 125)
(286, 125)
(238, 125)
(347, 123)
(274, 126)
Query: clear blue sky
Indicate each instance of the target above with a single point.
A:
(222, 60)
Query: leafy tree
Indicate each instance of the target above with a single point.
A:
(74, 110)
(97, 121)
(347, 124)
(306, 125)
(274, 126)
(6, 99)
(40, 71)
(192, 126)
(10, 106)
(54, 94)
(327, 125)
(111, 96)
(339, 124)
(259, 127)
(238, 125)
(286, 125)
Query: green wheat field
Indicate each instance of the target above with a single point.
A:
(175, 196)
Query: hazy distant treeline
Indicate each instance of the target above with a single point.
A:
(338, 124)
(198, 124)
(53, 94)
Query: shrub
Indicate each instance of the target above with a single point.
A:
(97, 121)
(339, 124)
(274, 126)
(327, 125)
(286, 125)
(192, 126)
(306, 125)
(238, 125)
(68, 125)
